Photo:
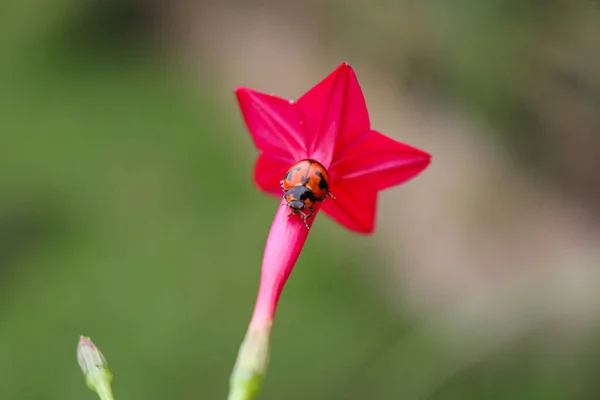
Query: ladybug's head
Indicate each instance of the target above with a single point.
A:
(297, 205)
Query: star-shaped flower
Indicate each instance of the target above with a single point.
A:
(329, 124)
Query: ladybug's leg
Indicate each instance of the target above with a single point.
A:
(331, 195)
(292, 211)
(307, 216)
(304, 218)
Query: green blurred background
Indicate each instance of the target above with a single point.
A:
(128, 213)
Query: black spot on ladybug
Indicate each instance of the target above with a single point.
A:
(307, 194)
(322, 182)
(290, 173)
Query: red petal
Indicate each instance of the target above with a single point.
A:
(354, 205)
(380, 159)
(335, 114)
(274, 124)
(269, 171)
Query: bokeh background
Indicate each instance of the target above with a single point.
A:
(128, 211)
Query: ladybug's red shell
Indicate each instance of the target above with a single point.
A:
(311, 174)
(305, 183)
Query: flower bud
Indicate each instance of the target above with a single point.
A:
(95, 368)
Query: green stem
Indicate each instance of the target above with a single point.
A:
(99, 379)
(251, 365)
(104, 392)
(239, 394)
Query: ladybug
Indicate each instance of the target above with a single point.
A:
(305, 183)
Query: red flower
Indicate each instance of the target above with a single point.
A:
(330, 124)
